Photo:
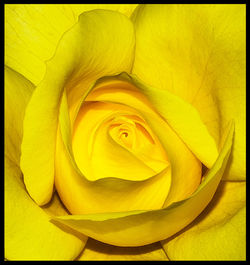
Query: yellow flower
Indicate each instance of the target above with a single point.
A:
(125, 132)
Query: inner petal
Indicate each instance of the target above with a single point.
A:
(133, 134)
(112, 141)
(123, 134)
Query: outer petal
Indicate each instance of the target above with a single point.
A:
(28, 232)
(95, 250)
(137, 228)
(94, 47)
(198, 53)
(126, 9)
(18, 91)
(185, 120)
(219, 233)
(55, 207)
(32, 32)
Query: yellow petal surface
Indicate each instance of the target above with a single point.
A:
(32, 32)
(110, 140)
(29, 233)
(96, 250)
(138, 228)
(233, 104)
(92, 48)
(185, 166)
(198, 53)
(55, 207)
(17, 92)
(126, 9)
(107, 194)
(219, 233)
(185, 120)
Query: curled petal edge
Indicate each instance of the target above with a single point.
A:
(137, 228)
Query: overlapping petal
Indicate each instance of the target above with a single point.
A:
(138, 228)
(207, 237)
(110, 140)
(185, 167)
(29, 234)
(106, 194)
(198, 53)
(32, 32)
(95, 250)
(18, 91)
(69, 179)
(207, 72)
(94, 47)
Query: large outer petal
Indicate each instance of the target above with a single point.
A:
(29, 234)
(138, 228)
(198, 53)
(219, 233)
(18, 91)
(32, 32)
(95, 250)
(94, 47)
(185, 120)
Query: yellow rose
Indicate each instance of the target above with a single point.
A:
(125, 132)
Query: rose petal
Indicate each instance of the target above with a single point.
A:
(138, 228)
(32, 32)
(108, 194)
(219, 233)
(185, 120)
(95, 250)
(198, 52)
(185, 167)
(29, 234)
(99, 154)
(126, 9)
(94, 47)
(18, 91)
